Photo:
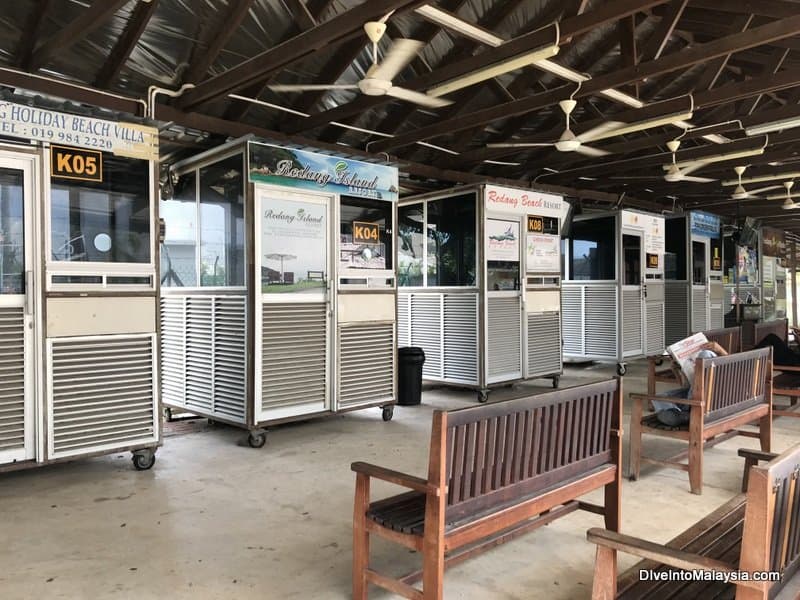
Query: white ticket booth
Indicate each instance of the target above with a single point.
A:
(78, 288)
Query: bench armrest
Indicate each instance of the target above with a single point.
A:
(786, 368)
(396, 477)
(665, 555)
(758, 455)
(657, 398)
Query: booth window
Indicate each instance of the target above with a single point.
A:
(592, 251)
(451, 241)
(675, 250)
(411, 244)
(698, 263)
(222, 223)
(103, 222)
(12, 232)
(365, 234)
(179, 250)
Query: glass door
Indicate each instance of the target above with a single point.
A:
(293, 303)
(17, 405)
(632, 294)
(700, 301)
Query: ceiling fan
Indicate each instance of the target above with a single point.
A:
(378, 79)
(675, 173)
(740, 193)
(788, 199)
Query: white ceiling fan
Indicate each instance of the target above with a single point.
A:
(788, 199)
(378, 79)
(740, 193)
(675, 173)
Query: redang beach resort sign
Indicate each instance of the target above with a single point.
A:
(518, 201)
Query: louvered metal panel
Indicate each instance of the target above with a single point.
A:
(600, 321)
(717, 317)
(403, 321)
(572, 319)
(654, 333)
(503, 339)
(631, 320)
(544, 344)
(676, 311)
(699, 306)
(12, 379)
(203, 345)
(426, 331)
(461, 338)
(294, 354)
(366, 363)
(101, 393)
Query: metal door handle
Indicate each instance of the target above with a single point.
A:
(28, 292)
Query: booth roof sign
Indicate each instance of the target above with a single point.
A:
(513, 200)
(123, 139)
(704, 224)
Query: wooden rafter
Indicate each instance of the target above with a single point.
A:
(659, 39)
(626, 28)
(340, 28)
(302, 15)
(137, 23)
(89, 20)
(665, 64)
(30, 34)
(214, 41)
(776, 9)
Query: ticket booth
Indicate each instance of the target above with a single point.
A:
(693, 275)
(613, 289)
(278, 286)
(78, 288)
(480, 286)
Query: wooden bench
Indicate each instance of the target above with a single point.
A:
(756, 531)
(779, 327)
(494, 472)
(662, 369)
(727, 392)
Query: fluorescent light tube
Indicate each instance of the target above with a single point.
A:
(641, 126)
(773, 126)
(450, 21)
(491, 71)
(761, 178)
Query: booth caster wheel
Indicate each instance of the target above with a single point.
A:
(257, 439)
(483, 396)
(143, 459)
(621, 369)
(556, 381)
(387, 413)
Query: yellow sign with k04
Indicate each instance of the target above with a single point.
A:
(366, 233)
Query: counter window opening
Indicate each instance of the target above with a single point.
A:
(437, 243)
(204, 227)
(592, 250)
(365, 236)
(100, 232)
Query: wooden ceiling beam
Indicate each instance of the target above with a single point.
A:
(215, 40)
(776, 61)
(302, 15)
(119, 55)
(609, 11)
(340, 28)
(659, 39)
(624, 76)
(90, 19)
(775, 9)
(318, 7)
(30, 34)
(626, 29)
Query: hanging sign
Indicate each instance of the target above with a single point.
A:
(366, 233)
(76, 163)
(123, 139)
(538, 224)
(295, 168)
(519, 201)
(502, 240)
(704, 224)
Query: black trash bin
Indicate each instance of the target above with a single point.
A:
(409, 376)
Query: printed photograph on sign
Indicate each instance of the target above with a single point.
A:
(502, 240)
(365, 234)
(294, 248)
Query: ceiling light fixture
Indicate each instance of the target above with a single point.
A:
(762, 178)
(453, 23)
(773, 126)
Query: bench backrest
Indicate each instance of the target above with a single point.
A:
(771, 537)
(731, 384)
(498, 452)
(730, 338)
(779, 327)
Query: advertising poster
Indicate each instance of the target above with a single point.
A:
(543, 253)
(502, 240)
(362, 249)
(651, 225)
(293, 245)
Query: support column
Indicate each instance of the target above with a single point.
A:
(793, 271)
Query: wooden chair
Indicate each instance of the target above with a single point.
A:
(494, 472)
(728, 392)
(779, 327)
(756, 531)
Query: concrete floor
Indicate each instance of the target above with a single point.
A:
(217, 519)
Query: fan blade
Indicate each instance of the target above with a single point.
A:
(697, 179)
(312, 87)
(417, 97)
(589, 151)
(400, 54)
(769, 188)
(518, 145)
(595, 133)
